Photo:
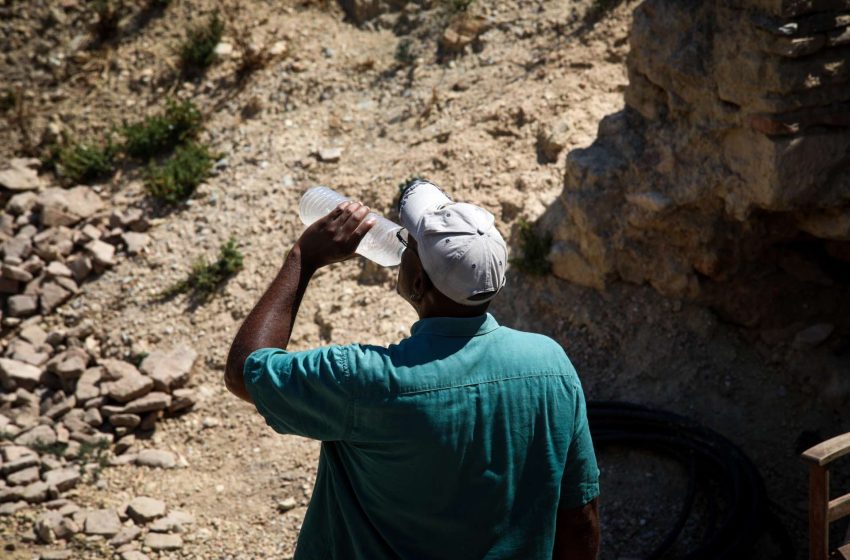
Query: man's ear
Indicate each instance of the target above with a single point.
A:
(421, 282)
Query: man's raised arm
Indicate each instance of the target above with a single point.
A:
(269, 325)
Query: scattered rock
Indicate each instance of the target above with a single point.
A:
(101, 253)
(102, 522)
(62, 479)
(143, 509)
(56, 555)
(22, 305)
(174, 522)
(20, 175)
(18, 374)
(135, 242)
(813, 336)
(129, 387)
(169, 370)
(163, 541)
(156, 458)
(287, 504)
(61, 207)
(330, 155)
(124, 536)
(551, 140)
(150, 402)
(37, 436)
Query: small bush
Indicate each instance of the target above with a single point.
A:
(84, 162)
(159, 134)
(177, 177)
(459, 5)
(599, 9)
(57, 449)
(108, 14)
(197, 52)
(533, 251)
(205, 278)
(8, 101)
(404, 54)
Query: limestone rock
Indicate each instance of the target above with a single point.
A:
(101, 253)
(169, 370)
(62, 479)
(129, 387)
(175, 522)
(52, 296)
(124, 536)
(551, 140)
(36, 492)
(39, 435)
(19, 374)
(143, 509)
(61, 207)
(20, 175)
(22, 305)
(156, 458)
(102, 522)
(151, 402)
(135, 242)
(163, 541)
(330, 155)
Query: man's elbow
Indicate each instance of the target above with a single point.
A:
(234, 379)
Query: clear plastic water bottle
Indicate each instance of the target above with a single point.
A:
(380, 244)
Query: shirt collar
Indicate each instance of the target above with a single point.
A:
(455, 326)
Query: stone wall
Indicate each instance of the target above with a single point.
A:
(735, 136)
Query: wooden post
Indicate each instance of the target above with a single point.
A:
(818, 508)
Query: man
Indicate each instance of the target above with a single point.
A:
(466, 440)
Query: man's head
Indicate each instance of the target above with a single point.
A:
(456, 259)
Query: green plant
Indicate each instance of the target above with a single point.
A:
(57, 449)
(404, 52)
(8, 100)
(177, 177)
(83, 162)
(159, 134)
(108, 14)
(96, 452)
(459, 5)
(534, 248)
(205, 278)
(599, 9)
(197, 52)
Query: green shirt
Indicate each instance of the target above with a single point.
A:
(461, 441)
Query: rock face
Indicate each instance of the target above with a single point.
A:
(735, 137)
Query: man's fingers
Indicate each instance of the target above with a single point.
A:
(363, 228)
(357, 214)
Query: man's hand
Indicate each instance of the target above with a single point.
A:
(335, 237)
(577, 533)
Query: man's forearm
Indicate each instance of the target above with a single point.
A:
(269, 324)
(577, 533)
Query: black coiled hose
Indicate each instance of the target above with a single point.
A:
(740, 511)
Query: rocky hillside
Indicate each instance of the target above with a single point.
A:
(118, 438)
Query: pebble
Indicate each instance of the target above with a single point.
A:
(156, 458)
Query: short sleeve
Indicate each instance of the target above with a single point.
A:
(580, 483)
(301, 393)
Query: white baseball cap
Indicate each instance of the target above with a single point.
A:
(458, 243)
